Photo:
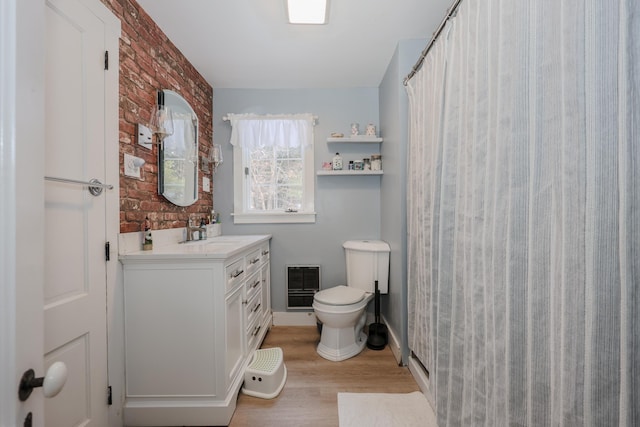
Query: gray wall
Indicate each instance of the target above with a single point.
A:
(347, 207)
(394, 124)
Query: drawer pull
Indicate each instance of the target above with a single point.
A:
(255, 331)
(256, 284)
(256, 308)
(265, 252)
(236, 273)
(253, 261)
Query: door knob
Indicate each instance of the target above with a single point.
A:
(51, 383)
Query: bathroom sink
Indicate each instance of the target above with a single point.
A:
(218, 240)
(229, 240)
(214, 245)
(230, 243)
(209, 246)
(192, 242)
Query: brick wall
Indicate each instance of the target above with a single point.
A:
(150, 62)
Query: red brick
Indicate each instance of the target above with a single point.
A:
(150, 61)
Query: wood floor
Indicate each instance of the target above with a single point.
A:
(309, 397)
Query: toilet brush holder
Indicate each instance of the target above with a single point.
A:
(378, 334)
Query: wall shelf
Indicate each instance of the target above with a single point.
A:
(347, 172)
(358, 139)
(361, 139)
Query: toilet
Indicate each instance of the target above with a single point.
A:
(342, 310)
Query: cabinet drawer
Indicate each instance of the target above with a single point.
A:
(264, 253)
(253, 332)
(234, 273)
(254, 311)
(253, 261)
(253, 284)
(265, 274)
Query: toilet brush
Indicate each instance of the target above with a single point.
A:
(377, 331)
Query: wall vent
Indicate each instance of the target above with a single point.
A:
(303, 281)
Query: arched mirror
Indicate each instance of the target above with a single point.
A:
(178, 153)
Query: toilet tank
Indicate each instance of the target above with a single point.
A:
(367, 261)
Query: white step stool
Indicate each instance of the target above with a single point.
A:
(266, 374)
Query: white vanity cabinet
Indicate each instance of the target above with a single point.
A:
(193, 317)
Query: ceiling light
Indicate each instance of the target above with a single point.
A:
(307, 11)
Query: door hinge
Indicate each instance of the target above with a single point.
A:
(106, 59)
(107, 251)
(246, 171)
(109, 396)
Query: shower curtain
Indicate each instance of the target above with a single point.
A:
(524, 215)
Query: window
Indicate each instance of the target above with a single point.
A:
(273, 168)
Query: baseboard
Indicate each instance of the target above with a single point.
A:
(394, 343)
(289, 318)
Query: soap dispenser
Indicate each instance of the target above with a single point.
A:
(337, 162)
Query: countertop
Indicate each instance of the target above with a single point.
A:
(219, 247)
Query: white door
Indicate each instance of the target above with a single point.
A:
(21, 194)
(75, 330)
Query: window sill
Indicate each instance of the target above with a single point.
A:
(274, 218)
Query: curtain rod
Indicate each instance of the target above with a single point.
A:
(227, 117)
(450, 13)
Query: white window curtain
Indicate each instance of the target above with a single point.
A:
(281, 201)
(524, 215)
(282, 130)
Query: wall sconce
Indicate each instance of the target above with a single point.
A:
(161, 120)
(214, 159)
(160, 124)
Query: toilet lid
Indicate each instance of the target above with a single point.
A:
(340, 295)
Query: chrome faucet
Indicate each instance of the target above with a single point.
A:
(192, 229)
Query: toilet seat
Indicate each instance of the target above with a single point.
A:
(339, 295)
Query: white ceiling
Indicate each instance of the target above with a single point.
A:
(249, 44)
